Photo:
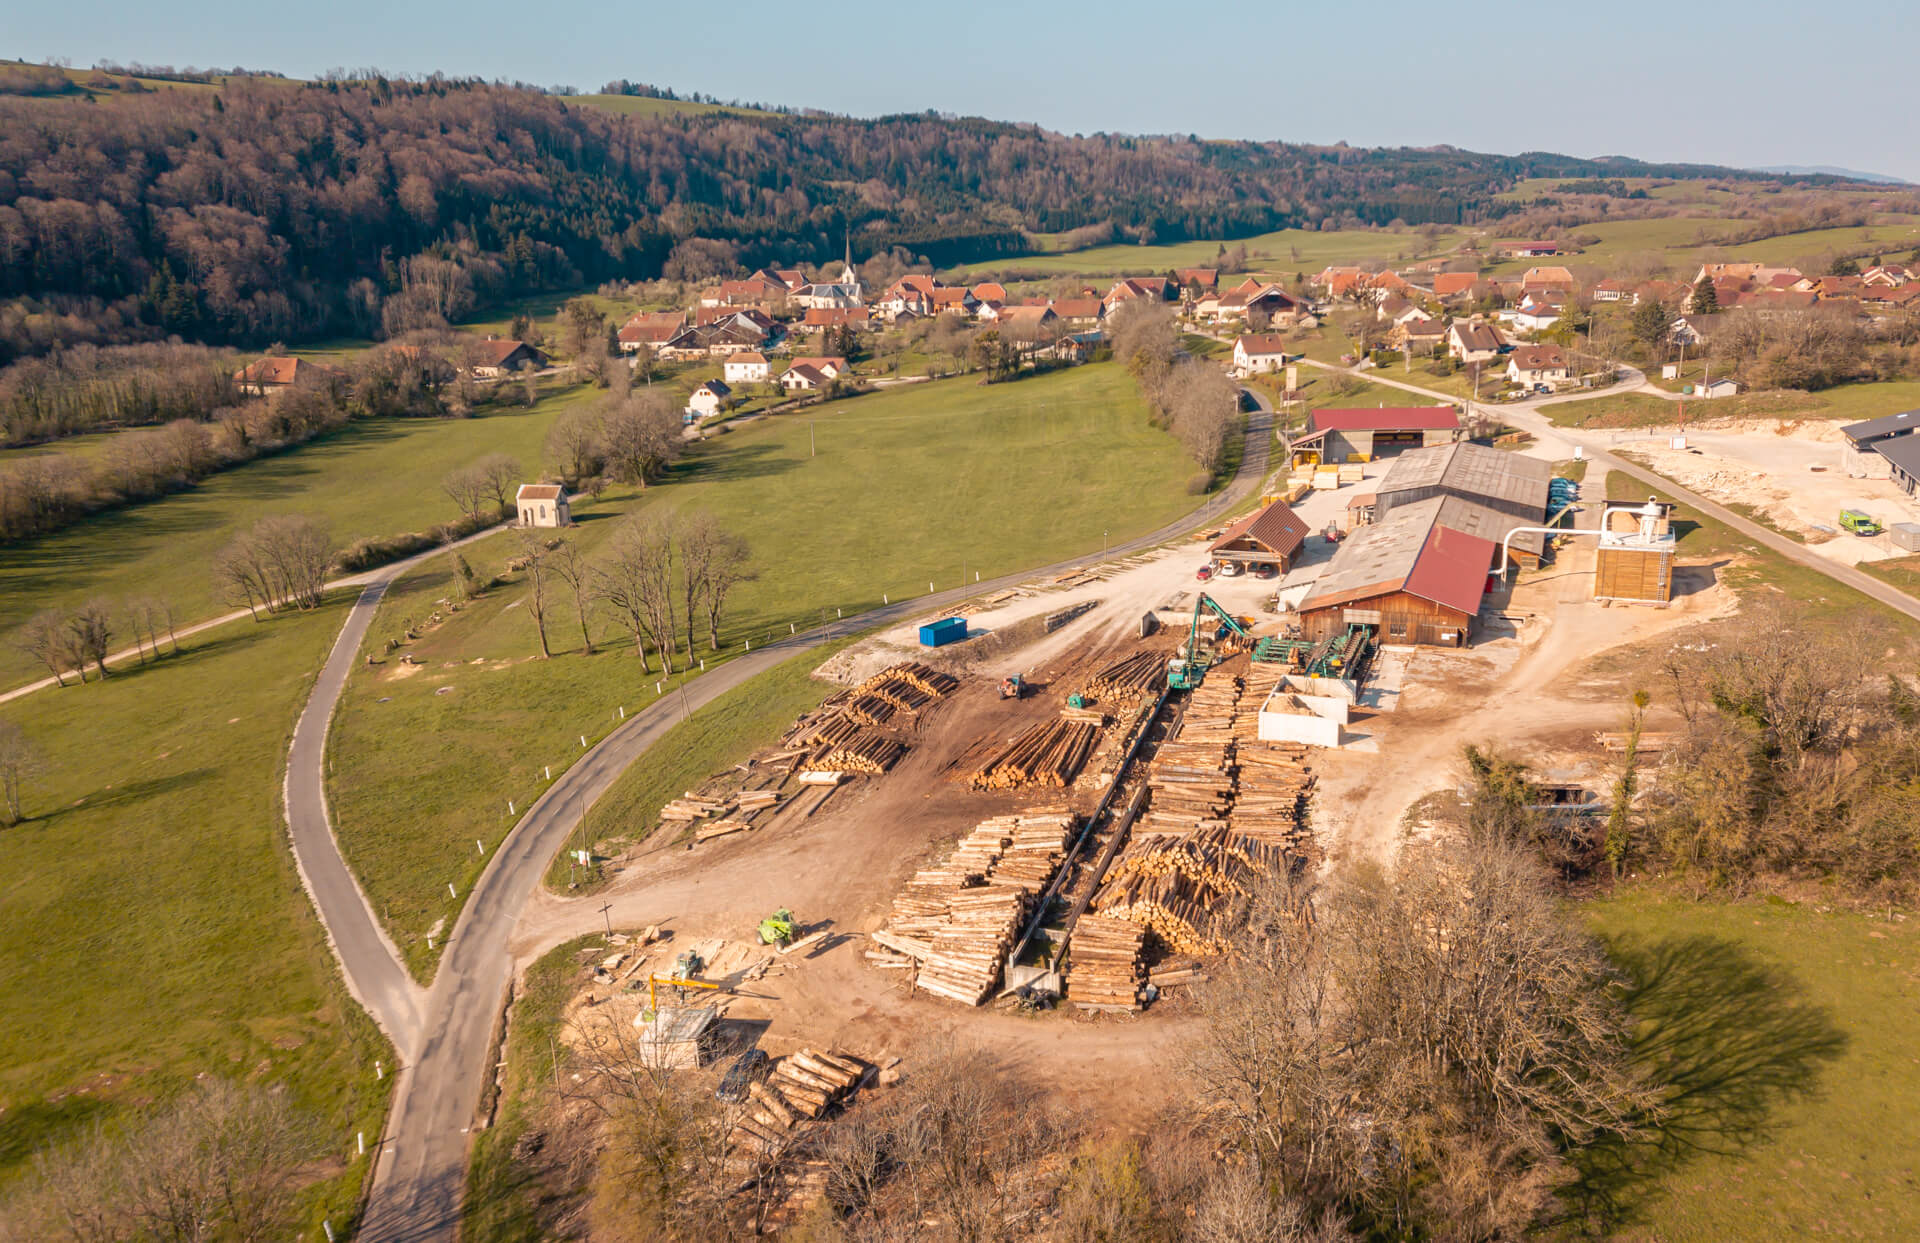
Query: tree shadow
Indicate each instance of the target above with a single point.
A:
(30, 1126)
(1727, 1040)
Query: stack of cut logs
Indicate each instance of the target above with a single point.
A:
(1192, 786)
(1180, 887)
(1274, 796)
(864, 753)
(691, 806)
(869, 709)
(924, 678)
(1103, 962)
(1261, 679)
(832, 731)
(801, 1088)
(1210, 710)
(1049, 754)
(956, 922)
(1142, 673)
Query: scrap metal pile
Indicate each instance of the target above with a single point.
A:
(954, 924)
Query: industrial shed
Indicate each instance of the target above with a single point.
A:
(1339, 435)
(1408, 576)
(1874, 447)
(1506, 482)
(1273, 536)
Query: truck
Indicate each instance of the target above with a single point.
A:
(1858, 522)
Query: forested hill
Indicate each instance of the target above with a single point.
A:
(268, 210)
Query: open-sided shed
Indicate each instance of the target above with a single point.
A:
(1338, 435)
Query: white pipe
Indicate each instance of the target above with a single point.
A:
(1646, 513)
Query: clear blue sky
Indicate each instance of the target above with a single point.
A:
(1749, 83)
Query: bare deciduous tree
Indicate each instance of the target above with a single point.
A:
(578, 576)
(636, 578)
(533, 558)
(500, 475)
(44, 637)
(640, 437)
(466, 487)
(19, 761)
(573, 445)
(90, 634)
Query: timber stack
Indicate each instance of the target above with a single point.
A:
(1210, 711)
(869, 709)
(1142, 673)
(1273, 802)
(801, 1087)
(1104, 962)
(1048, 754)
(909, 686)
(872, 754)
(1192, 786)
(957, 922)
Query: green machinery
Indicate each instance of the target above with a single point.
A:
(1189, 668)
(777, 928)
(1337, 656)
(1076, 700)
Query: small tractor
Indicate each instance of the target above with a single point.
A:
(777, 928)
(1858, 522)
(1013, 687)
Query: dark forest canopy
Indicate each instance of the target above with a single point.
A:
(271, 210)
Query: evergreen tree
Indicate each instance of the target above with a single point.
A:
(1706, 299)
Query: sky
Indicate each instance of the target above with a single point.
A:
(1758, 82)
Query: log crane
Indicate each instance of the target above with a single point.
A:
(1188, 669)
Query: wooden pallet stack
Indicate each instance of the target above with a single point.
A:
(801, 1087)
(1104, 962)
(1142, 673)
(1048, 754)
(872, 754)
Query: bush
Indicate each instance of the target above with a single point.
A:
(1199, 483)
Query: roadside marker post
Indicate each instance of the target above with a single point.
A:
(549, 772)
(479, 849)
(583, 742)
(510, 810)
(452, 892)
(360, 1138)
(328, 1227)
(377, 1072)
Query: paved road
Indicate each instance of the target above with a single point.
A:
(1526, 415)
(445, 1036)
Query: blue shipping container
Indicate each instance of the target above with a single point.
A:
(946, 630)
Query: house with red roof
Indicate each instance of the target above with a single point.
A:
(281, 371)
(747, 367)
(494, 358)
(1454, 284)
(990, 291)
(1259, 352)
(1150, 288)
(651, 330)
(824, 319)
(1530, 366)
(1363, 433)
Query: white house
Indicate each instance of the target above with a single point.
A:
(1536, 318)
(542, 505)
(747, 367)
(1722, 387)
(1529, 365)
(1257, 352)
(804, 377)
(709, 398)
(1473, 342)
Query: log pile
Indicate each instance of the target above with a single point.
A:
(1210, 711)
(1104, 962)
(1142, 673)
(957, 921)
(1048, 754)
(832, 731)
(872, 754)
(801, 1088)
(1192, 786)
(691, 806)
(1274, 799)
(869, 709)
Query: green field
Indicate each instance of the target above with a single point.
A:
(375, 477)
(845, 506)
(1682, 242)
(152, 925)
(1289, 250)
(1783, 1031)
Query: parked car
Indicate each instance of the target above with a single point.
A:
(747, 1069)
(1266, 571)
(1231, 569)
(1205, 572)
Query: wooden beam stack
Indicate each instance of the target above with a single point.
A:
(1104, 962)
(1048, 754)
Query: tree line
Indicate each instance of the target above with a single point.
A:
(1193, 399)
(268, 210)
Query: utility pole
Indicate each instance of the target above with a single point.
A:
(609, 918)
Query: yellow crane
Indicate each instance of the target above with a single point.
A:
(674, 981)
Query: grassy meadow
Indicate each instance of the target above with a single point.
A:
(1289, 250)
(1847, 403)
(373, 477)
(152, 925)
(844, 506)
(1795, 1109)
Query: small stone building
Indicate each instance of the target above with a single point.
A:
(542, 505)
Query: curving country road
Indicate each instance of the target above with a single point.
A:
(444, 1034)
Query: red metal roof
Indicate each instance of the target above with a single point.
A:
(1384, 419)
(1452, 569)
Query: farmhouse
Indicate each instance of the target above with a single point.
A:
(1454, 284)
(1259, 352)
(832, 366)
(278, 372)
(1028, 323)
(1530, 365)
(990, 291)
(1151, 288)
(1406, 576)
(1541, 279)
(822, 319)
(1530, 250)
(542, 505)
(709, 398)
(1271, 537)
(498, 358)
(1341, 435)
(1079, 314)
(747, 367)
(1198, 278)
(1474, 342)
(650, 331)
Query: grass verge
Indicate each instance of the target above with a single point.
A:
(152, 925)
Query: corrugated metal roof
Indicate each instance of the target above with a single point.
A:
(1409, 551)
(1887, 425)
(1472, 469)
(1385, 419)
(1902, 451)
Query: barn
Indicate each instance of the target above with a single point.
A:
(1506, 482)
(1412, 579)
(1335, 434)
(1272, 536)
